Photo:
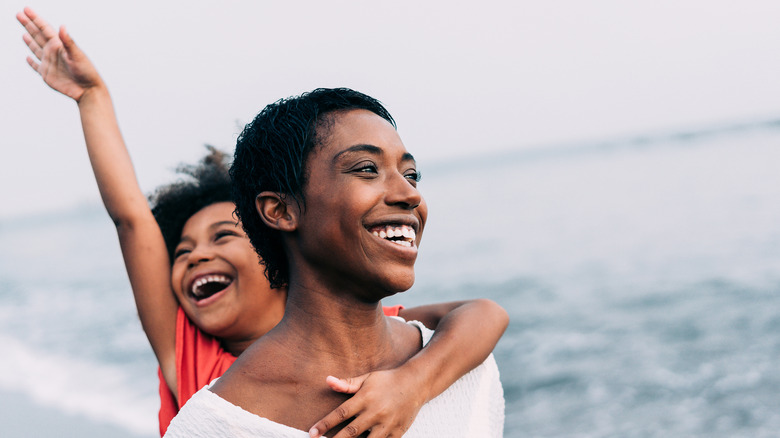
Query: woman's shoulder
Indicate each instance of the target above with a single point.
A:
(207, 414)
(472, 406)
(414, 329)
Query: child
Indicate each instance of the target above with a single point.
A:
(327, 194)
(201, 296)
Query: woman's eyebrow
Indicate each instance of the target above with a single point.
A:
(371, 149)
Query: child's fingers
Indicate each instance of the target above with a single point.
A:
(67, 41)
(34, 34)
(44, 31)
(337, 416)
(27, 22)
(32, 30)
(348, 386)
(73, 51)
(355, 428)
(21, 18)
(34, 47)
(33, 64)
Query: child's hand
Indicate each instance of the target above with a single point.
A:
(63, 66)
(385, 403)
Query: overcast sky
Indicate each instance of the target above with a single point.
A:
(460, 78)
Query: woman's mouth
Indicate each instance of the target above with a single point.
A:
(208, 285)
(402, 235)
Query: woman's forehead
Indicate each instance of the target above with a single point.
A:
(358, 129)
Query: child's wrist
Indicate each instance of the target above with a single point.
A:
(97, 90)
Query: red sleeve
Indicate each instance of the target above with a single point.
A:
(392, 310)
(168, 406)
(199, 360)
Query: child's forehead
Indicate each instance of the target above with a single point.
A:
(210, 216)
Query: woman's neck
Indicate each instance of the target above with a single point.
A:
(338, 328)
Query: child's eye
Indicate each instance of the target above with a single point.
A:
(224, 233)
(180, 252)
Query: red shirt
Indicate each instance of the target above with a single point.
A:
(199, 359)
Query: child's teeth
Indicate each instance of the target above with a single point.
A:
(382, 234)
(208, 279)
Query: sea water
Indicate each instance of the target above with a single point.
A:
(641, 275)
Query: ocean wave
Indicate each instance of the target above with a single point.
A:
(105, 393)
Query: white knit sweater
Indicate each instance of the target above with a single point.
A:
(472, 407)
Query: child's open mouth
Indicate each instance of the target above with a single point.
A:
(209, 285)
(402, 235)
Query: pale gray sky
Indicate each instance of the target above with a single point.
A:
(460, 77)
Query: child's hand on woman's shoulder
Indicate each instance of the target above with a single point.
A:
(385, 403)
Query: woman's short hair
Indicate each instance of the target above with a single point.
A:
(271, 155)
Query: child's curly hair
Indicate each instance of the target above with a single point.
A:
(207, 182)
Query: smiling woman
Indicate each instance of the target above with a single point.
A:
(337, 216)
(363, 171)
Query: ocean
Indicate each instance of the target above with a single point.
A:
(641, 275)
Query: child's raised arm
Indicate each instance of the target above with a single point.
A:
(387, 402)
(65, 68)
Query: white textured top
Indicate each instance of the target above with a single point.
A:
(472, 407)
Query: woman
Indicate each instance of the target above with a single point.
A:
(327, 194)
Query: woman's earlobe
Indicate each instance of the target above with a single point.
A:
(275, 212)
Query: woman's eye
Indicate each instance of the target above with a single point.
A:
(413, 176)
(366, 168)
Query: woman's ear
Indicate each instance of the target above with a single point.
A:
(275, 212)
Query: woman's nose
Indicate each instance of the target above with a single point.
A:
(402, 192)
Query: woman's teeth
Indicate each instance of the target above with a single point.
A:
(400, 235)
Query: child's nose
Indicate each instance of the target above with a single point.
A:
(199, 254)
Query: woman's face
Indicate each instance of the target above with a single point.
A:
(364, 216)
(218, 280)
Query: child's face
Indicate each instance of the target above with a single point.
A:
(218, 280)
(362, 189)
